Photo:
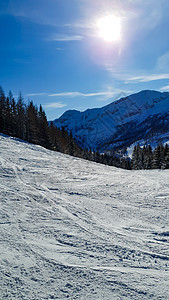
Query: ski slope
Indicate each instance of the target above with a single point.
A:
(73, 229)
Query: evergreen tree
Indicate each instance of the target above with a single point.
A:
(166, 157)
(32, 124)
(10, 113)
(13, 117)
(97, 156)
(7, 120)
(53, 131)
(147, 157)
(2, 110)
(156, 162)
(71, 145)
(162, 157)
(43, 129)
(20, 118)
(135, 163)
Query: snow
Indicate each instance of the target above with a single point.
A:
(73, 229)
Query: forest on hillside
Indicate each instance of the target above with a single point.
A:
(29, 123)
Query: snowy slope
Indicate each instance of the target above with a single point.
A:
(73, 229)
(144, 115)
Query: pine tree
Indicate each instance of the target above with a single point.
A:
(54, 136)
(135, 163)
(2, 110)
(70, 149)
(21, 118)
(156, 162)
(13, 117)
(147, 154)
(43, 129)
(97, 157)
(7, 120)
(166, 157)
(162, 157)
(32, 124)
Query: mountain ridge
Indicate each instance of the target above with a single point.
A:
(139, 116)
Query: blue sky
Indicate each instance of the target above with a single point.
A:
(51, 51)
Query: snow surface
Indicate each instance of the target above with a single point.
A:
(73, 229)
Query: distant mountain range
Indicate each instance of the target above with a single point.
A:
(141, 117)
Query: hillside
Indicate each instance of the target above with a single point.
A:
(72, 229)
(143, 116)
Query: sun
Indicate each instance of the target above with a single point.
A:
(109, 28)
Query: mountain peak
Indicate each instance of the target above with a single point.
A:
(119, 123)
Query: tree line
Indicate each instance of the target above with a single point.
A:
(29, 122)
(146, 158)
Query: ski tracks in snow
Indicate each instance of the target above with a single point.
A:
(72, 229)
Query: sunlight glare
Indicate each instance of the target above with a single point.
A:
(109, 28)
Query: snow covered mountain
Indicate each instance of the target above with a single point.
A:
(141, 116)
(72, 229)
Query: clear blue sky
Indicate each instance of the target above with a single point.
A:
(52, 52)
